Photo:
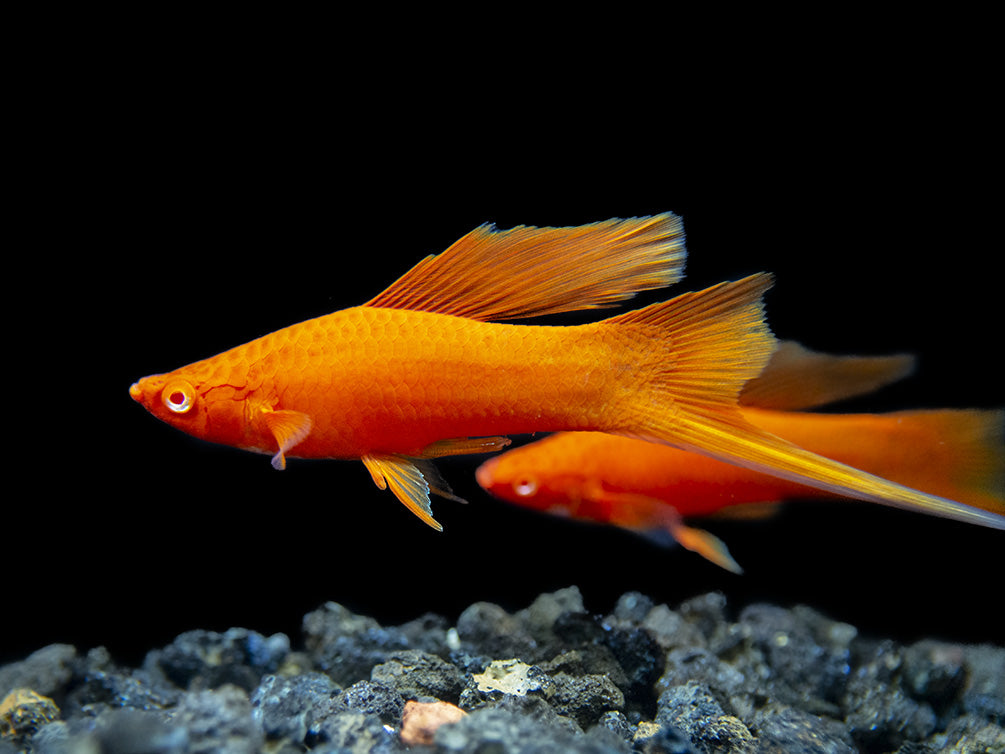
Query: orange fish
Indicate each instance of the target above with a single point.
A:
(411, 374)
(425, 369)
(646, 487)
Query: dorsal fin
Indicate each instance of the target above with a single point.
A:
(493, 275)
(797, 378)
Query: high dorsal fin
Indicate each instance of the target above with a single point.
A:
(493, 275)
(797, 378)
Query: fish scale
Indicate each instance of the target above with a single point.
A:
(399, 380)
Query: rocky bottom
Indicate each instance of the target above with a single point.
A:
(549, 678)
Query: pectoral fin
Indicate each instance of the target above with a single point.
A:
(289, 428)
(411, 482)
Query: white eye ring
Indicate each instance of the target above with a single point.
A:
(178, 397)
(525, 487)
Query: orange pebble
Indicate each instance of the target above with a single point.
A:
(420, 720)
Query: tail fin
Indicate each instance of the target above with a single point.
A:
(702, 348)
(967, 456)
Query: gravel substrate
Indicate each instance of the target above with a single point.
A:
(697, 677)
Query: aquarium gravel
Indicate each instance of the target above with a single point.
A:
(699, 676)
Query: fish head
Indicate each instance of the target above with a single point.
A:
(519, 478)
(173, 399)
(197, 407)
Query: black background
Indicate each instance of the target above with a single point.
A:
(176, 212)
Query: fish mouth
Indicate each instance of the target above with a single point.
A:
(136, 392)
(483, 474)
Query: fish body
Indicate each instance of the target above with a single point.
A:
(389, 381)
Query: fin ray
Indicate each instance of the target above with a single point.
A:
(288, 428)
(406, 481)
(493, 275)
(707, 545)
(732, 439)
(714, 341)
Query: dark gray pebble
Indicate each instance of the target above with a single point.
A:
(287, 707)
(414, 674)
(206, 659)
(375, 698)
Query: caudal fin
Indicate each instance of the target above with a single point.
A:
(702, 349)
(961, 454)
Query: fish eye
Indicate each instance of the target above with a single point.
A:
(525, 486)
(178, 396)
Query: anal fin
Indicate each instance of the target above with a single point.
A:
(406, 479)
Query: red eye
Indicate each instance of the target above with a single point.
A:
(525, 486)
(178, 396)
